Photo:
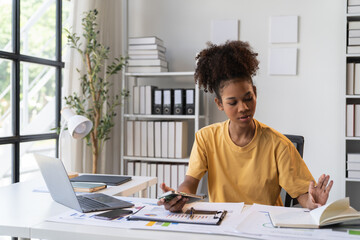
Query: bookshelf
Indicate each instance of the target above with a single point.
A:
(352, 98)
(163, 166)
(182, 80)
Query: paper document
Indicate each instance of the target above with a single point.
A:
(227, 226)
(159, 214)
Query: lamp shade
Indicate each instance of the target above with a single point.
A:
(79, 126)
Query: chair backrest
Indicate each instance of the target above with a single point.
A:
(298, 141)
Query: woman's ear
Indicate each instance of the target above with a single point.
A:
(254, 89)
(219, 104)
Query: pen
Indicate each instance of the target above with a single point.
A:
(192, 212)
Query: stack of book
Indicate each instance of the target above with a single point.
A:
(352, 120)
(88, 186)
(353, 6)
(146, 54)
(353, 37)
(160, 139)
(353, 78)
(353, 165)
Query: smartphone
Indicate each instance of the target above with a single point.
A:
(113, 214)
(171, 194)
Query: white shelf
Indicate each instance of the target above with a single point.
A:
(353, 55)
(132, 79)
(149, 159)
(352, 96)
(351, 143)
(352, 138)
(162, 116)
(353, 15)
(352, 179)
(160, 74)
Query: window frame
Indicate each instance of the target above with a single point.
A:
(16, 58)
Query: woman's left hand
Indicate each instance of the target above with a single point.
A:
(319, 194)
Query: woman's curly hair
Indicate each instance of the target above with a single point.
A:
(220, 63)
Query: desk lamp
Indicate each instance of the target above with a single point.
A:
(78, 126)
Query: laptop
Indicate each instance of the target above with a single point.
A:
(61, 190)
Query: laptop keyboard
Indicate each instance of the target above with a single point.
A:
(89, 204)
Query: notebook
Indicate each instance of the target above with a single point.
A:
(110, 180)
(61, 190)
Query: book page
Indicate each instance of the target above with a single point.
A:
(292, 217)
(317, 212)
(338, 211)
(330, 210)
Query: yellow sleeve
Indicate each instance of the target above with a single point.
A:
(198, 160)
(294, 175)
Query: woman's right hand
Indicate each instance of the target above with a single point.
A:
(174, 205)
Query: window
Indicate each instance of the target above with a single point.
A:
(30, 83)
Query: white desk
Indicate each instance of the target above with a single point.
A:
(23, 214)
(136, 185)
(21, 208)
(60, 231)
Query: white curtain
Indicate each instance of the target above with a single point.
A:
(75, 154)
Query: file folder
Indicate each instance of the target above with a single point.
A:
(179, 101)
(136, 100)
(149, 99)
(158, 104)
(142, 99)
(190, 101)
(168, 98)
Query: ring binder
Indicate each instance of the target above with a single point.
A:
(168, 98)
(190, 101)
(179, 102)
(158, 104)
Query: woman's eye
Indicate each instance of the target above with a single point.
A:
(248, 99)
(232, 103)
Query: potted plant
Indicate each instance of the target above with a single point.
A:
(95, 101)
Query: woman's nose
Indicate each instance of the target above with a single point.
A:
(242, 107)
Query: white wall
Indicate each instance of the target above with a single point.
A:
(309, 104)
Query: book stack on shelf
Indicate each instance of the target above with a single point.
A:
(353, 165)
(151, 100)
(157, 139)
(353, 78)
(353, 6)
(146, 55)
(170, 174)
(353, 37)
(352, 120)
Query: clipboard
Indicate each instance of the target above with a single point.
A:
(191, 216)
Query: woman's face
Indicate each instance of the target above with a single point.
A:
(238, 101)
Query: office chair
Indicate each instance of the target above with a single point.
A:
(298, 141)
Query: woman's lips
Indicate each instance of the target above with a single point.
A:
(243, 118)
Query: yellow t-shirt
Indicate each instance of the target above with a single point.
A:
(251, 174)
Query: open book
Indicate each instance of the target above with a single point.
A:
(336, 212)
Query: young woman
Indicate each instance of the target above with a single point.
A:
(246, 160)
